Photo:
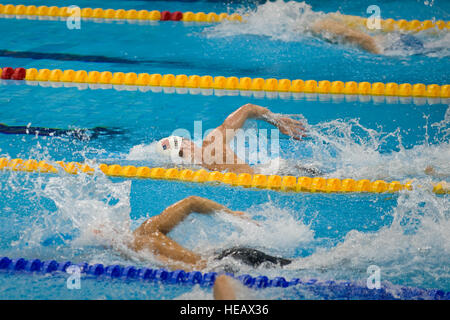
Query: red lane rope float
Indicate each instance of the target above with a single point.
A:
(9, 73)
(172, 16)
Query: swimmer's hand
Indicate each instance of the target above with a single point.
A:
(290, 127)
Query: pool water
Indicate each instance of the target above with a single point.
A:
(330, 236)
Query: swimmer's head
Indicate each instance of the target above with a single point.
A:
(169, 146)
(176, 148)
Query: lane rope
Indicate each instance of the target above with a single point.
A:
(336, 289)
(33, 11)
(116, 14)
(257, 181)
(296, 96)
(229, 83)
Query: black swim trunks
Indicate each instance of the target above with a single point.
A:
(252, 257)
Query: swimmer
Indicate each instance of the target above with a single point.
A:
(152, 236)
(335, 26)
(215, 153)
(338, 26)
(81, 134)
(346, 27)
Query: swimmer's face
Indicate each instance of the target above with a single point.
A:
(185, 151)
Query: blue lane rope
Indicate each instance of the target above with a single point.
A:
(325, 289)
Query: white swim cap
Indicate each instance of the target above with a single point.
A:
(170, 149)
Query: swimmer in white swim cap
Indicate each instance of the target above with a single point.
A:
(179, 149)
(215, 152)
(170, 146)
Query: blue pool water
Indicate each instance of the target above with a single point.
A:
(330, 236)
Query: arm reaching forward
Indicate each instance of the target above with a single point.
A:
(217, 153)
(237, 119)
(152, 234)
(348, 34)
(177, 212)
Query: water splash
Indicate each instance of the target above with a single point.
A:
(261, 229)
(225, 230)
(291, 21)
(278, 20)
(347, 149)
(412, 249)
(431, 43)
(71, 213)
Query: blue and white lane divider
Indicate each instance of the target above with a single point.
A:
(324, 289)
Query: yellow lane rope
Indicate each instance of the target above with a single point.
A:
(338, 98)
(211, 17)
(117, 14)
(273, 182)
(244, 83)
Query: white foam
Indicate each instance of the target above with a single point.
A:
(347, 149)
(143, 152)
(279, 20)
(224, 230)
(291, 21)
(414, 244)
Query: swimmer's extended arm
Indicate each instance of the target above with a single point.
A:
(177, 212)
(348, 34)
(237, 119)
(151, 234)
